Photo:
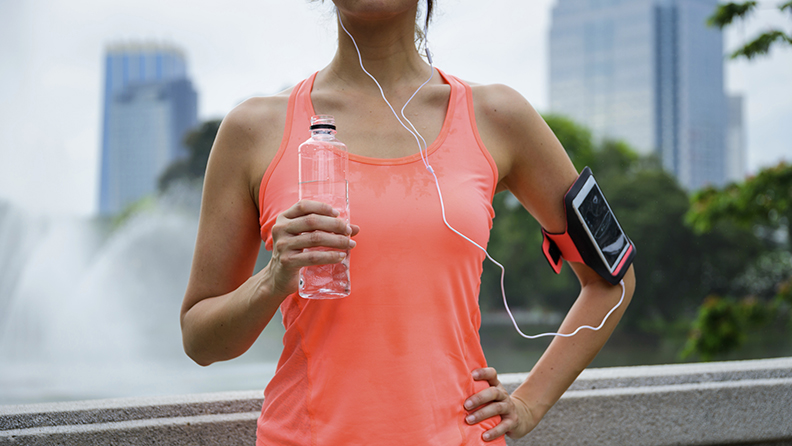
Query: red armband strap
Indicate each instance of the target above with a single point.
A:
(557, 247)
(578, 244)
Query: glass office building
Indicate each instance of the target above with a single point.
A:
(735, 141)
(149, 105)
(649, 72)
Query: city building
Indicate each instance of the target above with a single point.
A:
(149, 105)
(736, 161)
(649, 72)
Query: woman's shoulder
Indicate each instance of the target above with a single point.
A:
(249, 137)
(501, 103)
(507, 123)
(258, 118)
(254, 127)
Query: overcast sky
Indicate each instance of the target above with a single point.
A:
(51, 54)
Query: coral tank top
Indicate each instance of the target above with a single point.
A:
(389, 365)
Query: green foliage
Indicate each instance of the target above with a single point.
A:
(674, 266)
(614, 159)
(761, 44)
(649, 205)
(726, 13)
(765, 199)
(722, 325)
(199, 143)
(762, 204)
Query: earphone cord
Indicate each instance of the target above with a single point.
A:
(422, 150)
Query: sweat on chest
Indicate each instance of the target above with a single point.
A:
(385, 143)
(401, 201)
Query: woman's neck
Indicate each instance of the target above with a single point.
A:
(387, 48)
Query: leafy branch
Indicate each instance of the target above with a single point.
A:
(765, 199)
(725, 14)
(761, 45)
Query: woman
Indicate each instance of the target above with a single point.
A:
(398, 361)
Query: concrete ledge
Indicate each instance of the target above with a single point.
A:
(227, 418)
(743, 402)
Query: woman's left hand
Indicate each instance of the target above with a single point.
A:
(516, 417)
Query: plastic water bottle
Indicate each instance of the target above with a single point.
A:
(323, 166)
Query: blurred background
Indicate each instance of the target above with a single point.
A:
(108, 111)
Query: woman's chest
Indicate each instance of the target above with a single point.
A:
(370, 128)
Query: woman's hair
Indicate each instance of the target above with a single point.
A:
(420, 33)
(429, 11)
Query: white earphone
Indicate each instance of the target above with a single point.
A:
(422, 148)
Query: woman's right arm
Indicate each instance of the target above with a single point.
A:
(225, 308)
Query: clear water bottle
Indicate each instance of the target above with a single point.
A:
(323, 166)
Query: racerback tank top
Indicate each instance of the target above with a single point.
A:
(389, 365)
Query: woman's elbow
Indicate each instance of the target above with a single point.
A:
(194, 348)
(194, 352)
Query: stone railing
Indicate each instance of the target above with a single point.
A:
(741, 402)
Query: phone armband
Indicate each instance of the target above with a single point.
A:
(593, 236)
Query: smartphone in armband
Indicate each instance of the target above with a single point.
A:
(606, 247)
(593, 235)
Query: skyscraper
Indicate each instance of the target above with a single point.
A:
(149, 105)
(735, 141)
(649, 72)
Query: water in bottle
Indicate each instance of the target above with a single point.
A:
(323, 168)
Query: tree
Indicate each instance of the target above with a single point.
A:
(762, 201)
(726, 13)
(199, 143)
(762, 204)
(725, 324)
(722, 326)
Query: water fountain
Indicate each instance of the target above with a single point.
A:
(89, 309)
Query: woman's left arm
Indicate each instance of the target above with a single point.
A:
(559, 365)
(533, 166)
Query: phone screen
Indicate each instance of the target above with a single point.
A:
(603, 227)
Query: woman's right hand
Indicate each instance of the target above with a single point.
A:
(307, 224)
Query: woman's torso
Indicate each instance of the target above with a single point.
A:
(391, 363)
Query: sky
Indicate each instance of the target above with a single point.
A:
(51, 72)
